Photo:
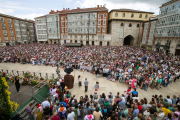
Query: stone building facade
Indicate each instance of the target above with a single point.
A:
(125, 26)
(125, 32)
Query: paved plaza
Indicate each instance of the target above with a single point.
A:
(105, 85)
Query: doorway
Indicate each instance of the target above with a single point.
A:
(128, 40)
(100, 43)
(92, 42)
(87, 42)
(75, 41)
(108, 43)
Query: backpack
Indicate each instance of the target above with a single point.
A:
(78, 112)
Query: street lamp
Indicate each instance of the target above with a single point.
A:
(57, 31)
(88, 28)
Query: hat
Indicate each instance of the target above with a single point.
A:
(95, 92)
(110, 92)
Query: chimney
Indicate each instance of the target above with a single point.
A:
(101, 6)
(68, 8)
(63, 8)
(77, 7)
(97, 6)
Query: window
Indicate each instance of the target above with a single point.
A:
(5, 33)
(62, 24)
(9, 20)
(130, 25)
(104, 22)
(123, 15)
(12, 38)
(104, 15)
(132, 15)
(92, 36)
(99, 16)
(99, 22)
(65, 18)
(75, 36)
(66, 29)
(116, 14)
(66, 24)
(63, 30)
(70, 36)
(146, 16)
(3, 26)
(86, 36)
(140, 16)
(61, 18)
(11, 33)
(137, 25)
(159, 42)
(98, 29)
(6, 39)
(122, 24)
(2, 19)
(81, 36)
(168, 43)
(103, 29)
(10, 26)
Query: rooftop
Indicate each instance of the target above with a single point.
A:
(67, 10)
(8, 16)
(130, 10)
(167, 3)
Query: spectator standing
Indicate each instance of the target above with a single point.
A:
(86, 84)
(29, 111)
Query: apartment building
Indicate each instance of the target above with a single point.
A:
(86, 26)
(167, 33)
(148, 32)
(41, 29)
(14, 30)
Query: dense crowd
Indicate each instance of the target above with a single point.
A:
(134, 66)
(126, 106)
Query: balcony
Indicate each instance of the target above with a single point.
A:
(167, 35)
(4, 27)
(10, 28)
(12, 34)
(5, 34)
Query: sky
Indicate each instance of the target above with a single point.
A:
(30, 9)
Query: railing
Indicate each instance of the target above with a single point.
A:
(34, 74)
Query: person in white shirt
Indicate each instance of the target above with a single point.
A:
(146, 113)
(71, 115)
(168, 99)
(160, 115)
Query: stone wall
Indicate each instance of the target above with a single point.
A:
(116, 29)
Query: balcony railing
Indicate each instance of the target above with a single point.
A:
(167, 24)
(4, 27)
(167, 35)
(5, 34)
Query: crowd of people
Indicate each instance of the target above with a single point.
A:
(134, 66)
(125, 106)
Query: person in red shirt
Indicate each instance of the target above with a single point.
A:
(139, 107)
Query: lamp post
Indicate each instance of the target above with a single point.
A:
(88, 28)
(57, 31)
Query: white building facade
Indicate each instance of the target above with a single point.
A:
(167, 34)
(41, 29)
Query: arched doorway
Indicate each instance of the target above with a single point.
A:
(128, 40)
